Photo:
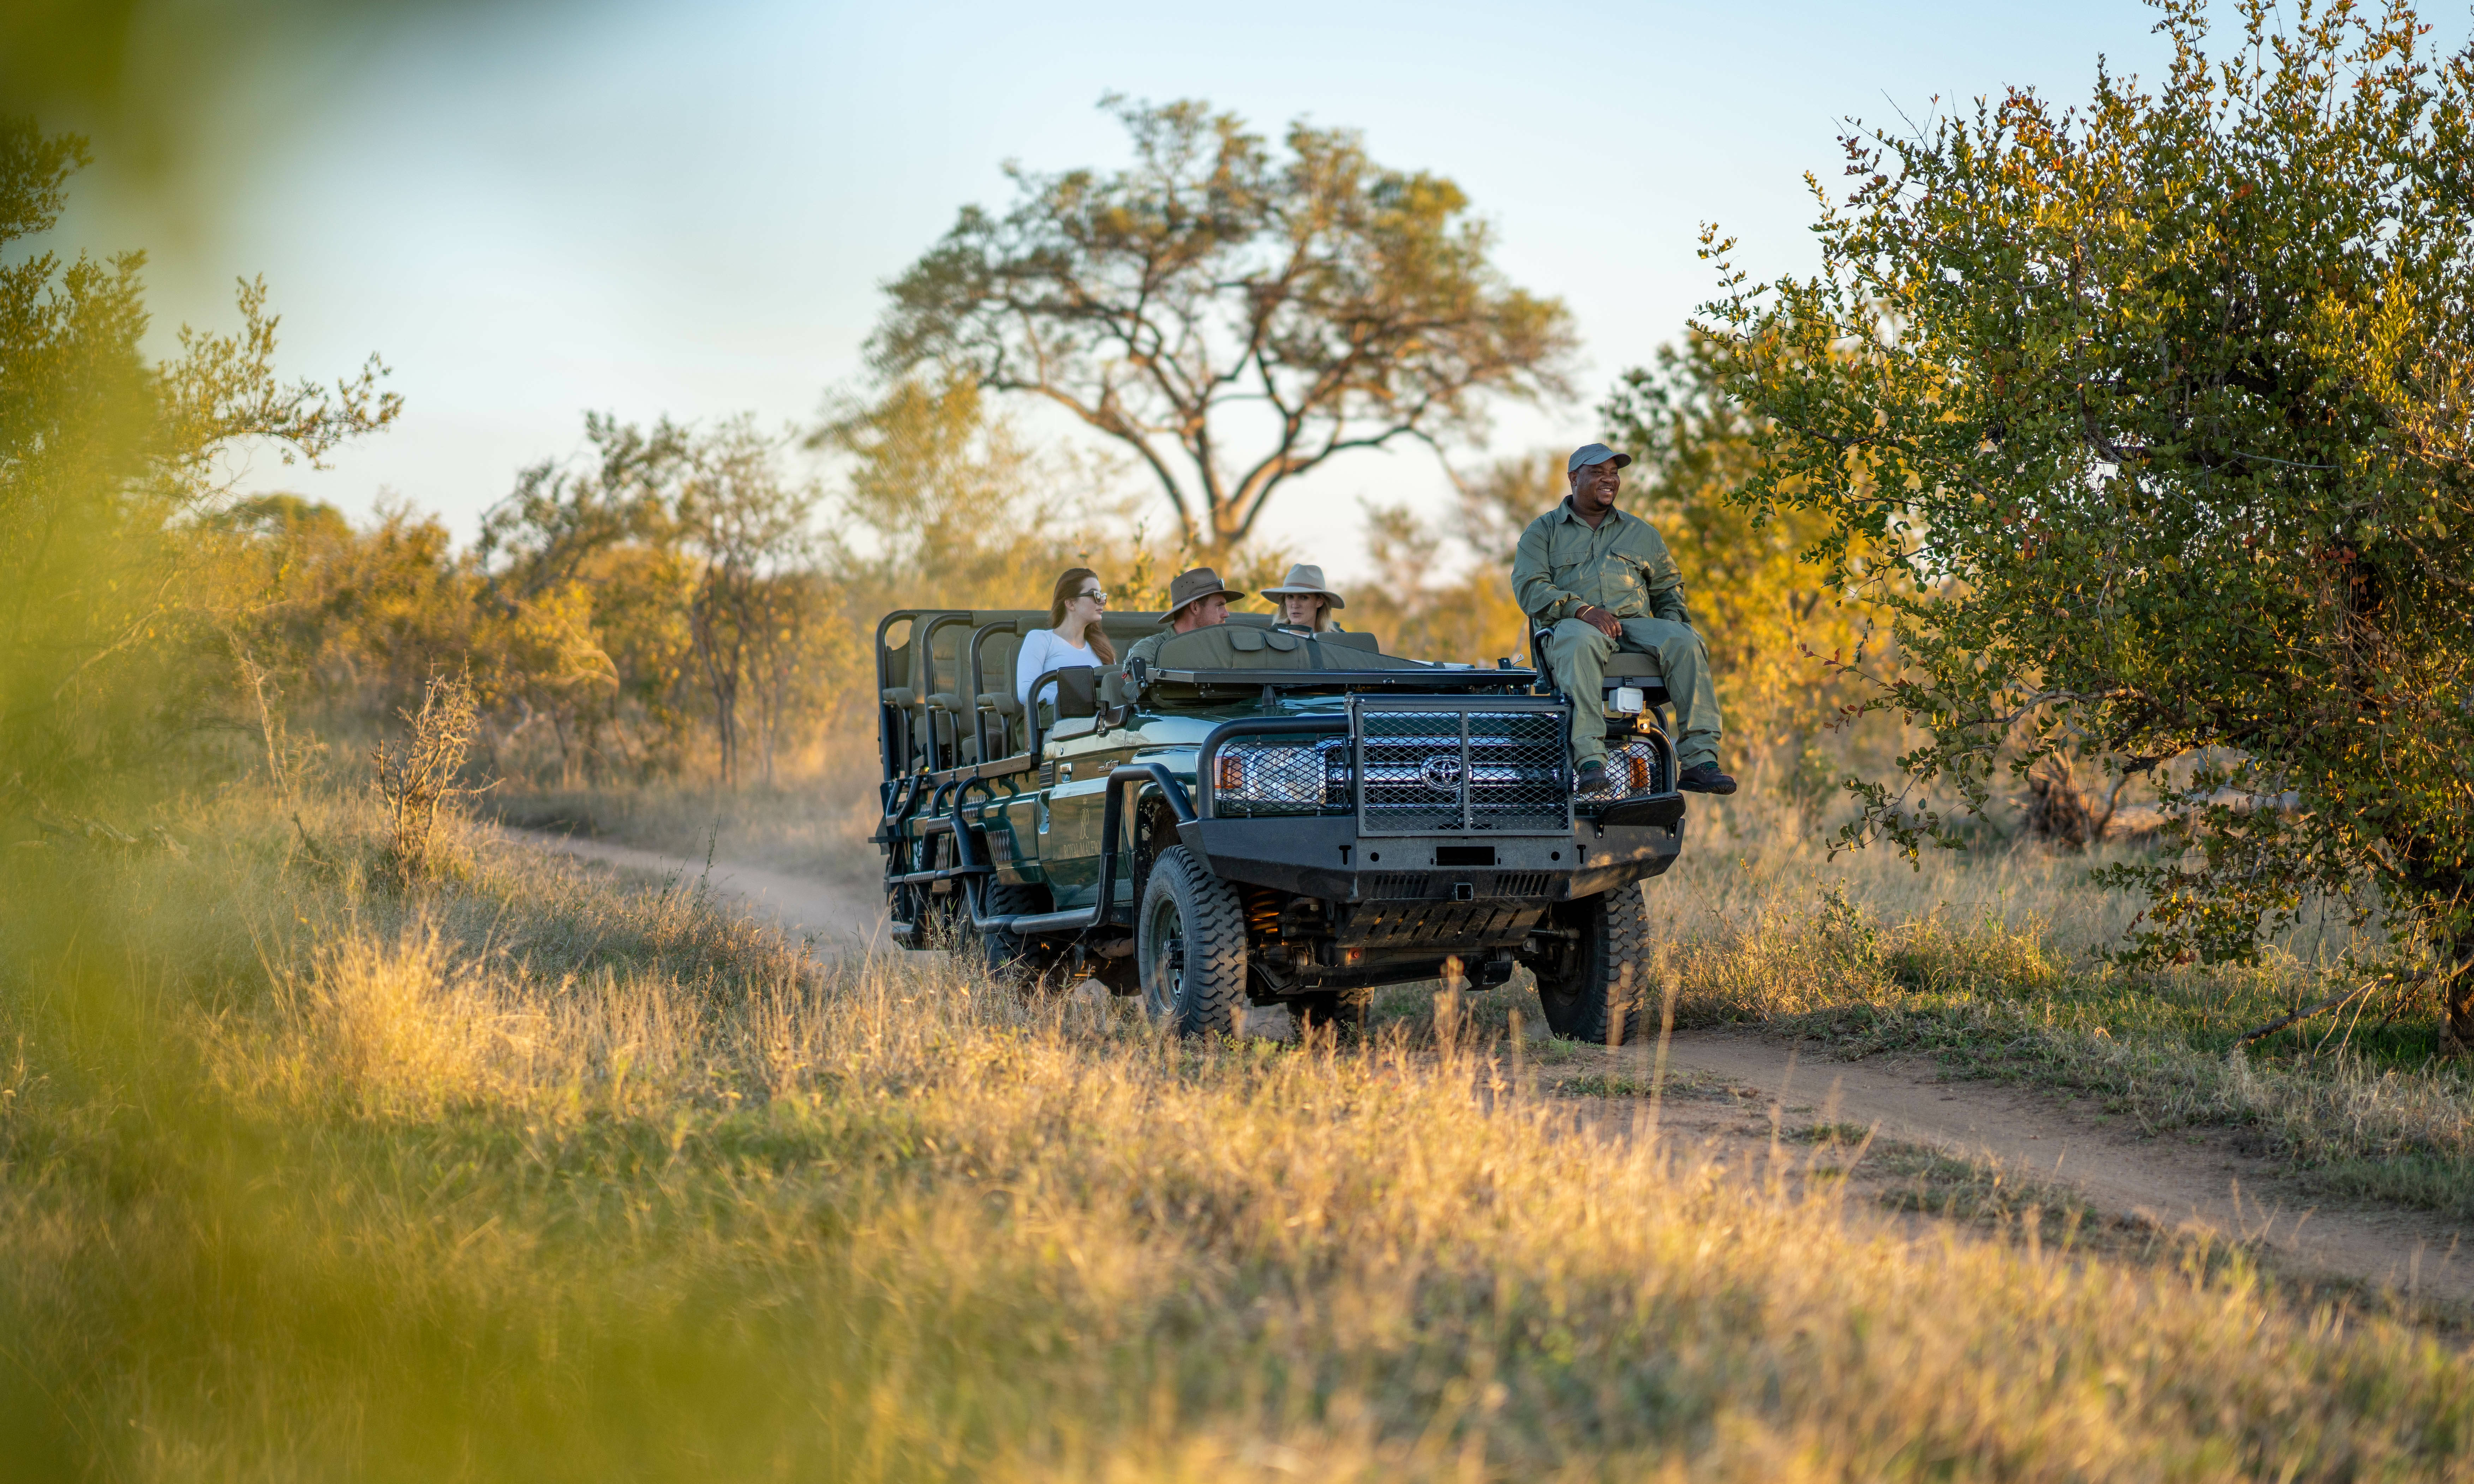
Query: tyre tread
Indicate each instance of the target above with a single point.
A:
(1213, 994)
(1614, 933)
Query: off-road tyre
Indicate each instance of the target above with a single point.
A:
(1004, 955)
(1190, 943)
(1343, 1010)
(1583, 987)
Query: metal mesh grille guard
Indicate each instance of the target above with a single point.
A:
(1447, 771)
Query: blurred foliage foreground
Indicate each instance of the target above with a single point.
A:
(513, 1172)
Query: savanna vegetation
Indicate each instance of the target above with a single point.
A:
(343, 1134)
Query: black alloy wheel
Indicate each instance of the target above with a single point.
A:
(1190, 943)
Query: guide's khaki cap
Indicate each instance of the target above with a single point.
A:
(1191, 587)
(1594, 453)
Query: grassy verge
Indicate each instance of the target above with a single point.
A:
(525, 1175)
(1989, 965)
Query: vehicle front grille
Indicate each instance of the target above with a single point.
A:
(1449, 771)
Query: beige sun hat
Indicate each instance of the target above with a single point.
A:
(1305, 581)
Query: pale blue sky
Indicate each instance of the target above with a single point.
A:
(688, 208)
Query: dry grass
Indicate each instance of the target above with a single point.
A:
(531, 1175)
(1990, 961)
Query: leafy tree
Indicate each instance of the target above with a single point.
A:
(2162, 408)
(745, 527)
(107, 466)
(1215, 290)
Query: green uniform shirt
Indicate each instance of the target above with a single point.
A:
(1621, 566)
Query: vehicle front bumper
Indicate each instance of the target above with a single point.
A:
(1326, 857)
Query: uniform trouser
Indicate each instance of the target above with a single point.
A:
(1577, 653)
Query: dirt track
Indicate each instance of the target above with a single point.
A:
(835, 918)
(2175, 1181)
(2179, 1180)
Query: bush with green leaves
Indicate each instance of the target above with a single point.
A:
(2153, 422)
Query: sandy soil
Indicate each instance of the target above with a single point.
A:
(835, 919)
(2176, 1180)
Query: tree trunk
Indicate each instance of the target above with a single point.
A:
(2456, 998)
(2056, 810)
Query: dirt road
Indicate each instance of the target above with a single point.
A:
(835, 919)
(2179, 1180)
(2176, 1179)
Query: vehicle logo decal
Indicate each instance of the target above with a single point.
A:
(1443, 773)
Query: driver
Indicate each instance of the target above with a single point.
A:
(1602, 581)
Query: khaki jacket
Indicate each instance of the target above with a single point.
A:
(1622, 566)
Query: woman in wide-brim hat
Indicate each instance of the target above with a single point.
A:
(1306, 601)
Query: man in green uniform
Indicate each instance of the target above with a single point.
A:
(1604, 580)
(1195, 600)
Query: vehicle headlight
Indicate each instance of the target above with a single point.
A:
(1269, 774)
(1632, 768)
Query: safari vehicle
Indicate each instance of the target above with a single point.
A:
(1262, 818)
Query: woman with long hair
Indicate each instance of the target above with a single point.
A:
(1306, 601)
(1072, 638)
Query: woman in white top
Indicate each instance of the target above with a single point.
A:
(1075, 640)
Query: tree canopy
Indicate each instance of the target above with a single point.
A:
(2159, 414)
(107, 464)
(1216, 292)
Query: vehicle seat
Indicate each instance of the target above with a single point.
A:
(1623, 667)
(1353, 642)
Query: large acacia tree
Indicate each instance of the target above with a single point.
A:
(2161, 409)
(1232, 316)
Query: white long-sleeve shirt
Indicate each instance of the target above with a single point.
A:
(1042, 652)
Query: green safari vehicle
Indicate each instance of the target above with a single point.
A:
(1264, 817)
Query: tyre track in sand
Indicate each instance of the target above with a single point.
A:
(2191, 1180)
(835, 920)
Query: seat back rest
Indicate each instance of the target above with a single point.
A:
(998, 645)
(1078, 693)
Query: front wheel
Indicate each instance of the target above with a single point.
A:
(1592, 989)
(1190, 945)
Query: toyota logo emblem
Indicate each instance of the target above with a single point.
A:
(1443, 773)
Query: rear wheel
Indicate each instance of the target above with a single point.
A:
(1344, 1010)
(1592, 989)
(1190, 944)
(1005, 954)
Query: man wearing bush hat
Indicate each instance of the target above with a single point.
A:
(1195, 600)
(1602, 581)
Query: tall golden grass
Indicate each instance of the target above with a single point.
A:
(534, 1175)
